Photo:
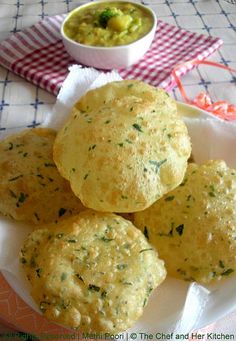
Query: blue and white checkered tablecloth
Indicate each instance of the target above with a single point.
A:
(20, 100)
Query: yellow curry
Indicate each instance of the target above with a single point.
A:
(108, 24)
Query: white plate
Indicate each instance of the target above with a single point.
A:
(166, 304)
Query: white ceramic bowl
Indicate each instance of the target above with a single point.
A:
(109, 57)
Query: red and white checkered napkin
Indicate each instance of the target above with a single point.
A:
(38, 55)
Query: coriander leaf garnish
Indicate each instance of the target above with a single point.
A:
(104, 294)
(221, 264)
(63, 276)
(38, 272)
(227, 272)
(23, 260)
(157, 164)
(10, 146)
(61, 212)
(92, 147)
(180, 229)
(137, 127)
(16, 177)
(170, 198)
(22, 197)
(93, 287)
(48, 164)
(104, 17)
(105, 239)
(145, 232)
(212, 194)
(79, 277)
(36, 216)
(121, 266)
(184, 182)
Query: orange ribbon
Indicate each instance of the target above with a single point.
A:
(222, 109)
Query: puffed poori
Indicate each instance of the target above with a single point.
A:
(123, 147)
(194, 226)
(94, 271)
(31, 188)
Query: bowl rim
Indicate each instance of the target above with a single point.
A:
(104, 48)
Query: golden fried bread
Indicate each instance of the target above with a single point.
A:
(93, 272)
(194, 226)
(31, 188)
(123, 147)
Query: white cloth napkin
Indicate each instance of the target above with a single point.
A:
(176, 306)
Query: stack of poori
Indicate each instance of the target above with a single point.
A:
(124, 149)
